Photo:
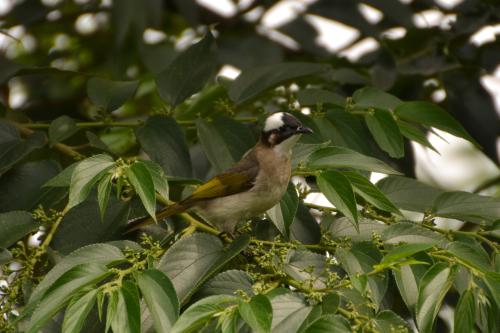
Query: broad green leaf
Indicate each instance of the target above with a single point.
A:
(193, 260)
(339, 157)
(337, 189)
(103, 192)
(83, 225)
(315, 97)
(63, 290)
(228, 283)
(283, 214)
(61, 128)
(330, 303)
(119, 140)
(86, 174)
(492, 281)
(368, 191)
(301, 152)
(78, 310)
(289, 312)
(160, 297)
(257, 313)
(414, 133)
(96, 142)
(388, 321)
(411, 233)
(252, 82)
(474, 256)
(305, 228)
(159, 179)
(224, 141)
(111, 308)
(465, 313)
(110, 95)
(409, 194)
(142, 182)
(342, 227)
(306, 266)
(164, 142)
(188, 72)
(407, 280)
(329, 323)
(63, 178)
(14, 225)
(467, 206)
(96, 253)
(361, 260)
(198, 314)
(430, 114)
(376, 98)
(404, 251)
(127, 318)
(386, 132)
(433, 287)
(13, 149)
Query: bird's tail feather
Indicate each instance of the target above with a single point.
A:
(163, 214)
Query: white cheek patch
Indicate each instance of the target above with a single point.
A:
(274, 121)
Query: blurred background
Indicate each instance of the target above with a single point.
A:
(446, 51)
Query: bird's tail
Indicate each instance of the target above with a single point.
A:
(163, 214)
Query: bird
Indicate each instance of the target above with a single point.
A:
(253, 185)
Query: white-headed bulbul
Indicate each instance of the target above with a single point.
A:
(252, 186)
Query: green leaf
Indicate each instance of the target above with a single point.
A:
(388, 321)
(474, 256)
(224, 141)
(467, 206)
(430, 114)
(63, 178)
(305, 228)
(188, 72)
(313, 97)
(250, 83)
(411, 233)
(337, 189)
(407, 279)
(329, 323)
(228, 283)
(330, 303)
(301, 152)
(78, 310)
(416, 134)
(365, 189)
(194, 259)
(160, 181)
(409, 194)
(257, 313)
(110, 95)
(386, 132)
(492, 281)
(306, 266)
(62, 290)
(342, 227)
(164, 142)
(61, 128)
(361, 260)
(127, 318)
(433, 287)
(376, 98)
(283, 214)
(160, 297)
(140, 178)
(96, 253)
(339, 157)
(96, 142)
(201, 312)
(465, 313)
(403, 251)
(103, 192)
(14, 226)
(5, 256)
(86, 174)
(289, 312)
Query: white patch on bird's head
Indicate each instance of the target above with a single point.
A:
(274, 121)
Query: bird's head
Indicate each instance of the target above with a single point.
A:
(282, 130)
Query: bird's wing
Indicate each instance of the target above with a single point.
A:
(237, 179)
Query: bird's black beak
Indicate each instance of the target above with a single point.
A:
(303, 130)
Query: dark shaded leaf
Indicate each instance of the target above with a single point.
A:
(142, 182)
(388, 321)
(407, 280)
(78, 310)
(13, 149)
(306, 266)
(283, 214)
(492, 280)
(414, 133)
(386, 132)
(61, 128)
(474, 256)
(404, 251)
(329, 323)
(465, 312)
(305, 228)
(228, 283)
(289, 312)
(342, 227)
(467, 206)
(257, 313)
(110, 95)
(103, 192)
(188, 72)
(411, 233)
(14, 225)
(375, 98)
(127, 318)
(315, 97)
(159, 179)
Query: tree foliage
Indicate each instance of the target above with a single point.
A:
(115, 127)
